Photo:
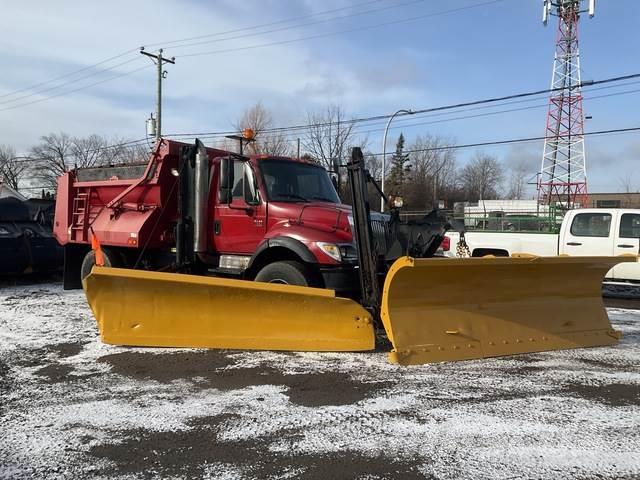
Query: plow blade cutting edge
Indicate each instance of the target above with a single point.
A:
(456, 309)
(141, 308)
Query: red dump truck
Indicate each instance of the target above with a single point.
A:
(268, 218)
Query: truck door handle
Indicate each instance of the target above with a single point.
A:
(216, 227)
(573, 244)
(625, 245)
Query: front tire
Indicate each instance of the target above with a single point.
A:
(288, 273)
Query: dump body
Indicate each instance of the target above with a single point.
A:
(125, 206)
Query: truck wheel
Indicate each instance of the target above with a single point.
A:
(111, 259)
(288, 273)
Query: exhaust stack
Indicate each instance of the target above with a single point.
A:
(201, 197)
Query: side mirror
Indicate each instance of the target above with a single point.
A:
(334, 181)
(226, 179)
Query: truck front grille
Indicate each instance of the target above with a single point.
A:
(380, 230)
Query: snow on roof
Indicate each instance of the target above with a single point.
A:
(7, 191)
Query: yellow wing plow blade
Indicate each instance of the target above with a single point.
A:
(141, 308)
(457, 309)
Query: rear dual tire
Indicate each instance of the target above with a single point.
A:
(111, 259)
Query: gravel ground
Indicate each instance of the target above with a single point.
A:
(71, 407)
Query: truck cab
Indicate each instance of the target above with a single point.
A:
(603, 231)
(281, 220)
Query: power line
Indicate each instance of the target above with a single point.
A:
(143, 141)
(237, 49)
(49, 97)
(255, 27)
(615, 131)
(300, 25)
(70, 82)
(300, 127)
(128, 144)
(107, 60)
(498, 112)
(512, 141)
(350, 30)
(291, 135)
(66, 75)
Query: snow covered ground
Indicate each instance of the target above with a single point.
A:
(71, 407)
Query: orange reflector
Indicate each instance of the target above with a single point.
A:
(95, 246)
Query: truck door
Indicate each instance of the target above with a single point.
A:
(240, 226)
(627, 240)
(590, 233)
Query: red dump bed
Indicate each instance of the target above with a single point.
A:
(129, 206)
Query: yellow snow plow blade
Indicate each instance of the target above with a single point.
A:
(141, 308)
(457, 309)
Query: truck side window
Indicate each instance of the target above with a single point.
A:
(591, 225)
(238, 180)
(630, 225)
(244, 186)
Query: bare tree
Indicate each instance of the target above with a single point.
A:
(121, 151)
(329, 136)
(59, 153)
(481, 177)
(88, 151)
(260, 120)
(626, 183)
(329, 139)
(433, 171)
(518, 173)
(12, 169)
(53, 157)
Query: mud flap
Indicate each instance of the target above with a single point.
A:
(140, 308)
(437, 310)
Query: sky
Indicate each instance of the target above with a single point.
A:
(369, 57)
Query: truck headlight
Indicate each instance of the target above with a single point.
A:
(331, 249)
(348, 253)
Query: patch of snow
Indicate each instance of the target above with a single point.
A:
(501, 418)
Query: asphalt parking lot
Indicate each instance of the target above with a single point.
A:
(72, 407)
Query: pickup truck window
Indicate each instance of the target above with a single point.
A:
(591, 225)
(630, 225)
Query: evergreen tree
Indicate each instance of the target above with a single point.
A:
(399, 161)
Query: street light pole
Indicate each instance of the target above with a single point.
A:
(384, 149)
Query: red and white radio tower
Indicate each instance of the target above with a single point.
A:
(563, 174)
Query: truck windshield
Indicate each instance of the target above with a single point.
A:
(288, 181)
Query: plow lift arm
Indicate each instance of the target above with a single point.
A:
(368, 260)
(416, 239)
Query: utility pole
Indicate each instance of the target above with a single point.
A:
(159, 60)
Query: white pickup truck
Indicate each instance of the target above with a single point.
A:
(589, 231)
